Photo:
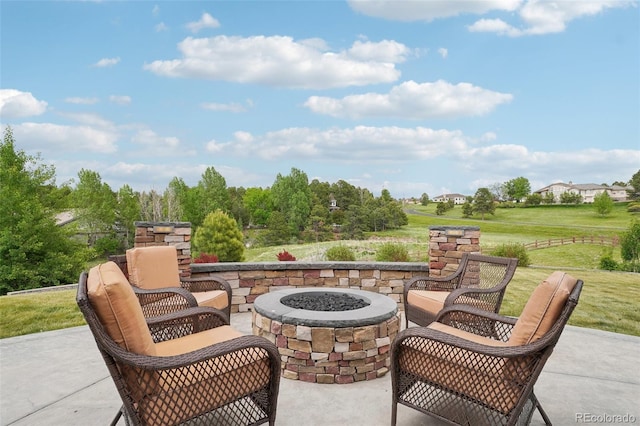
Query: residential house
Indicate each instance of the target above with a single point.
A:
(457, 198)
(588, 191)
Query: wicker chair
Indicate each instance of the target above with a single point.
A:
(155, 275)
(479, 281)
(448, 371)
(201, 371)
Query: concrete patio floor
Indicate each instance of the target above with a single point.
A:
(59, 378)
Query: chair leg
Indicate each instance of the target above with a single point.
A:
(114, 422)
(546, 419)
(394, 413)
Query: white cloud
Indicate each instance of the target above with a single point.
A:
(443, 52)
(82, 101)
(120, 99)
(206, 21)
(54, 137)
(546, 17)
(385, 51)
(537, 17)
(413, 100)
(283, 62)
(155, 11)
(351, 145)
(155, 145)
(161, 27)
(106, 62)
(428, 10)
(18, 104)
(231, 107)
(90, 119)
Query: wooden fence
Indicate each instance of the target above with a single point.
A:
(555, 242)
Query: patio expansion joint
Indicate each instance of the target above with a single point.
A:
(52, 403)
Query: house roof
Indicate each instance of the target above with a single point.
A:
(451, 196)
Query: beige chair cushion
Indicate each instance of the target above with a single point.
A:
(213, 299)
(118, 308)
(193, 342)
(470, 373)
(542, 309)
(153, 267)
(427, 300)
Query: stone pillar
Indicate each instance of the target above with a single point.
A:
(177, 234)
(446, 246)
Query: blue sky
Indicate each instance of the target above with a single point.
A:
(416, 97)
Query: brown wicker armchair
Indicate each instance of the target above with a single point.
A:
(199, 371)
(155, 275)
(479, 281)
(450, 372)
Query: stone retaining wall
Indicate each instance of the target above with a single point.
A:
(250, 280)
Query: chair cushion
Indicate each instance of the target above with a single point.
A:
(153, 267)
(427, 300)
(542, 309)
(118, 308)
(193, 342)
(213, 299)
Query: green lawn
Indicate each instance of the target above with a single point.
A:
(609, 300)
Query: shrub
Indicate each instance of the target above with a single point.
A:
(285, 256)
(629, 266)
(391, 252)
(206, 258)
(633, 208)
(340, 253)
(513, 250)
(107, 245)
(608, 263)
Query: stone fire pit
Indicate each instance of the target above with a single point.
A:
(327, 346)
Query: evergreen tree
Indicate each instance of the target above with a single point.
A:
(34, 251)
(219, 235)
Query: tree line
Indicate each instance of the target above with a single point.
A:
(35, 252)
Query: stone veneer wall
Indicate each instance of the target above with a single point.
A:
(177, 234)
(330, 355)
(250, 280)
(447, 244)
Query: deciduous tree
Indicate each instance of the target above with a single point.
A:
(517, 189)
(483, 202)
(34, 251)
(603, 203)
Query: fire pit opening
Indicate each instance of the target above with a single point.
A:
(324, 301)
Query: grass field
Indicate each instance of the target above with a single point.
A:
(610, 300)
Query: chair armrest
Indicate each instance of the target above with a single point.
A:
(458, 343)
(188, 321)
(249, 349)
(488, 299)
(476, 320)
(195, 285)
(164, 300)
(432, 283)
